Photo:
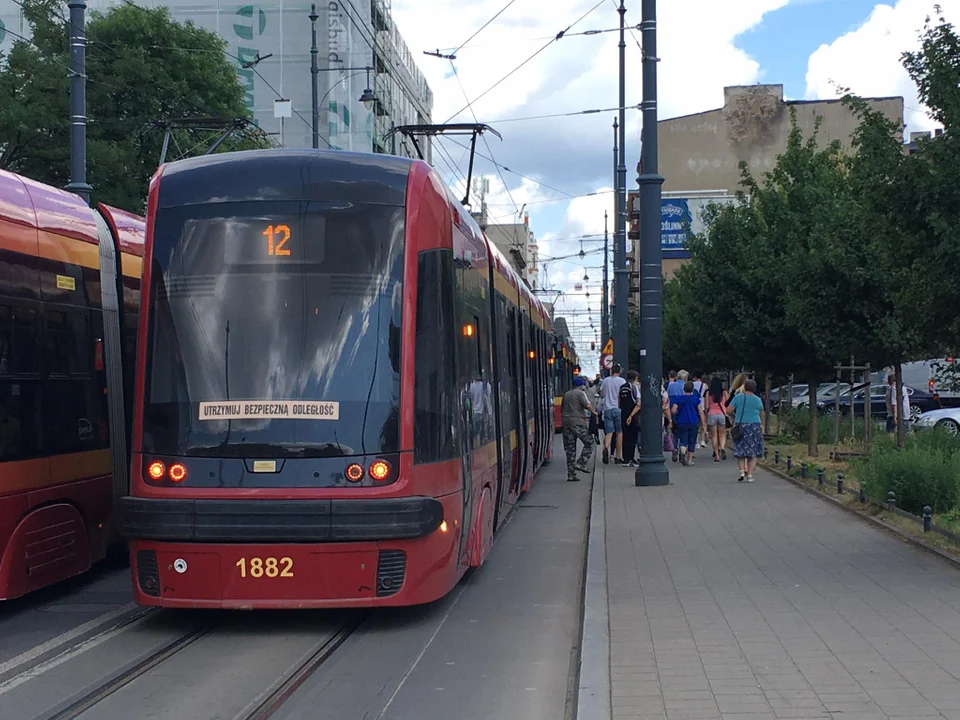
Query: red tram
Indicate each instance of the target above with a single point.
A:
(69, 301)
(342, 387)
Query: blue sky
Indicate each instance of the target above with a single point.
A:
(786, 38)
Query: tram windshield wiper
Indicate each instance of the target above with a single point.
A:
(268, 450)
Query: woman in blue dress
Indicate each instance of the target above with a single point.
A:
(746, 409)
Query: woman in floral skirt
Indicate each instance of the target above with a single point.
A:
(746, 409)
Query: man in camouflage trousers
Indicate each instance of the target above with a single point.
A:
(573, 412)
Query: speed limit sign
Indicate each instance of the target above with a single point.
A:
(608, 362)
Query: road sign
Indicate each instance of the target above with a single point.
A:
(608, 348)
(608, 362)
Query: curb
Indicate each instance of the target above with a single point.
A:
(593, 693)
(916, 542)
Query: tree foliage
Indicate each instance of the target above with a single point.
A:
(142, 67)
(834, 254)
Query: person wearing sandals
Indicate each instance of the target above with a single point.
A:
(716, 401)
(746, 409)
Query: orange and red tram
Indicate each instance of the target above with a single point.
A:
(69, 301)
(342, 389)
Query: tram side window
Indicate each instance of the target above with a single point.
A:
(435, 386)
(19, 331)
(67, 343)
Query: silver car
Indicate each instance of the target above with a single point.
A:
(946, 418)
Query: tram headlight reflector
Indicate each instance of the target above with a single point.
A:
(380, 470)
(156, 470)
(354, 472)
(178, 472)
(443, 526)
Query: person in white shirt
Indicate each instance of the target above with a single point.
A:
(892, 409)
(700, 390)
(612, 417)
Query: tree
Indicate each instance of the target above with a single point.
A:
(141, 67)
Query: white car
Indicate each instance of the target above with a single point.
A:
(946, 418)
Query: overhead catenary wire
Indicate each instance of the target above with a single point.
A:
(482, 27)
(518, 67)
(541, 38)
(484, 138)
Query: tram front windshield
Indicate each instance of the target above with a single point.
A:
(274, 330)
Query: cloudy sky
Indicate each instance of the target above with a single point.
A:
(704, 45)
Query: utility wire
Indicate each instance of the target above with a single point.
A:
(553, 200)
(514, 172)
(542, 48)
(543, 37)
(484, 26)
(484, 137)
(566, 114)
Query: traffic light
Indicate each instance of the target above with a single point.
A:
(593, 346)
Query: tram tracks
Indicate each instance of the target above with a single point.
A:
(279, 654)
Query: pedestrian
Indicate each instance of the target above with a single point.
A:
(630, 412)
(612, 417)
(892, 407)
(688, 411)
(738, 382)
(746, 409)
(574, 410)
(700, 388)
(716, 402)
(674, 391)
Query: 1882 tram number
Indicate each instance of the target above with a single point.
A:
(270, 567)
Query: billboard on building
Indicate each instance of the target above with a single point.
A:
(682, 216)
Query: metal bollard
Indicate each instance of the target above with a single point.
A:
(863, 496)
(892, 498)
(776, 457)
(766, 453)
(927, 518)
(820, 476)
(839, 483)
(789, 463)
(803, 470)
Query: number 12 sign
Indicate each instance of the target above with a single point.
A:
(277, 236)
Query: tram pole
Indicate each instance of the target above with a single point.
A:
(613, 314)
(652, 470)
(314, 72)
(605, 298)
(621, 277)
(78, 101)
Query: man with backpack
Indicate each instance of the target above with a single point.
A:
(630, 412)
(700, 389)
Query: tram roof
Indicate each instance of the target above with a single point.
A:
(286, 174)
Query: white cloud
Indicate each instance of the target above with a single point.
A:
(574, 154)
(867, 59)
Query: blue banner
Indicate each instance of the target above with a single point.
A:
(675, 221)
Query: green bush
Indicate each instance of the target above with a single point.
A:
(925, 472)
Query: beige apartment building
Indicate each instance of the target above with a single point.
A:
(700, 154)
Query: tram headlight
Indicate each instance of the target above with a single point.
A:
(380, 470)
(178, 472)
(156, 470)
(354, 472)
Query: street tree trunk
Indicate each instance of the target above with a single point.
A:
(812, 449)
(768, 383)
(901, 420)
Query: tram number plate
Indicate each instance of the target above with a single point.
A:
(269, 567)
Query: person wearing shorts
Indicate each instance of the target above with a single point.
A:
(612, 416)
(716, 402)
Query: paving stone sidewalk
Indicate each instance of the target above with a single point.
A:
(731, 600)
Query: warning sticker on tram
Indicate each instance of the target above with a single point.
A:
(266, 410)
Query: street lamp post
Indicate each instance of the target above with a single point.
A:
(651, 470)
(621, 278)
(78, 101)
(314, 73)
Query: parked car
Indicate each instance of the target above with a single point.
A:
(825, 392)
(799, 391)
(946, 418)
(920, 401)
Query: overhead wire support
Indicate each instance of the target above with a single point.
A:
(472, 129)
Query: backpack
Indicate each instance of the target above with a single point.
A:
(626, 399)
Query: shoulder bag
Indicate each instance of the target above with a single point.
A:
(736, 432)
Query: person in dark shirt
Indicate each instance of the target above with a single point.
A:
(574, 410)
(689, 415)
